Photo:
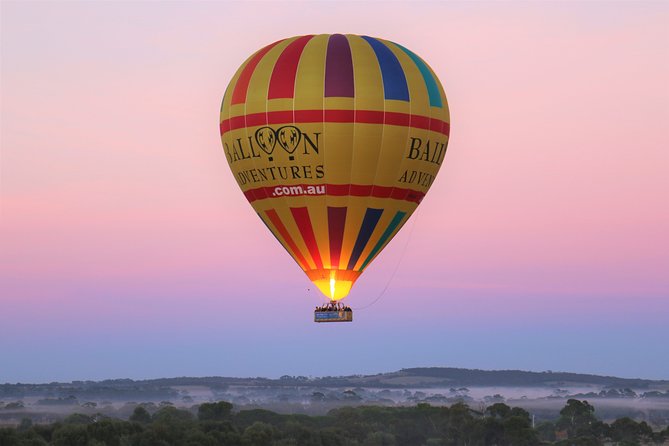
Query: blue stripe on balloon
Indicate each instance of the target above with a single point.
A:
(430, 82)
(394, 81)
(368, 224)
(397, 219)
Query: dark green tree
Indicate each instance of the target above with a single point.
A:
(70, 435)
(8, 436)
(171, 415)
(577, 418)
(409, 432)
(508, 426)
(219, 411)
(627, 431)
(33, 440)
(258, 434)
(26, 424)
(78, 418)
(498, 410)
(379, 439)
(195, 437)
(301, 434)
(149, 437)
(140, 415)
(113, 432)
(332, 437)
(546, 431)
(518, 431)
(461, 427)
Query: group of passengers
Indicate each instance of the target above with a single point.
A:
(334, 306)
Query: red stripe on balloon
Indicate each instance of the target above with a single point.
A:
(301, 216)
(421, 121)
(335, 116)
(339, 116)
(394, 118)
(242, 85)
(436, 126)
(255, 120)
(278, 224)
(336, 224)
(334, 190)
(382, 191)
(282, 82)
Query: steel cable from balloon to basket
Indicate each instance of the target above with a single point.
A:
(397, 266)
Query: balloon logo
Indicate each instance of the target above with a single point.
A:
(289, 137)
(363, 126)
(266, 140)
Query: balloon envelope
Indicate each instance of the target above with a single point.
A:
(334, 140)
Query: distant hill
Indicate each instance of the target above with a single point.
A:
(514, 378)
(406, 378)
(455, 377)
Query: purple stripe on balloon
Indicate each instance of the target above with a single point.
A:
(339, 68)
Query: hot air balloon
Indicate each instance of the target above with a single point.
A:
(334, 140)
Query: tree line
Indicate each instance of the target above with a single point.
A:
(214, 424)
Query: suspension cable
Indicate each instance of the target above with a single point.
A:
(397, 266)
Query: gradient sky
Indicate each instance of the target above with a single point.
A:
(127, 249)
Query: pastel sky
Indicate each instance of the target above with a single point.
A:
(127, 249)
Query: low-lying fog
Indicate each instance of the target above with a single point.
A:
(542, 402)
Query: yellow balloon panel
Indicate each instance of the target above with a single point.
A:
(334, 140)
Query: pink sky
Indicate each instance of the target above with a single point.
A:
(121, 220)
